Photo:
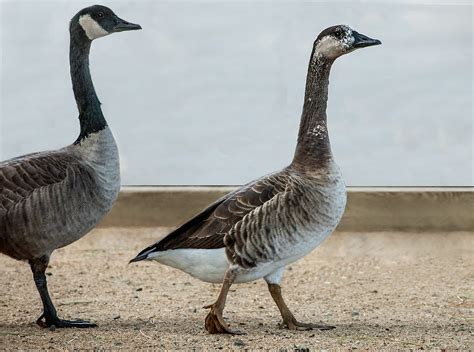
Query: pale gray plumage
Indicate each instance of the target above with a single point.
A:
(51, 199)
(257, 230)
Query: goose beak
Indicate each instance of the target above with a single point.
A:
(361, 41)
(122, 25)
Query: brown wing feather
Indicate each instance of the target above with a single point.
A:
(208, 228)
(21, 176)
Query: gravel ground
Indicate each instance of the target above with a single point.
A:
(382, 291)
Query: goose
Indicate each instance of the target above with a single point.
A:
(53, 198)
(255, 231)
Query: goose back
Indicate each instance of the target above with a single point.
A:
(207, 229)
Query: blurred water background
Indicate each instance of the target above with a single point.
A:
(210, 92)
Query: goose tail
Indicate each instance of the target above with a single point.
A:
(143, 255)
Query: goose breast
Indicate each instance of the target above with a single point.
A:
(291, 224)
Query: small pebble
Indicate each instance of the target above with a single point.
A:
(116, 317)
(139, 289)
(52, 328)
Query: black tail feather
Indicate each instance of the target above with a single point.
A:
(142, 255)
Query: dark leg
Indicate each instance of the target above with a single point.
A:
(215, 323)
(288, 318)
(49, 316)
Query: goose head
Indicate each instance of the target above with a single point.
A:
(338, 40)
(98, 21)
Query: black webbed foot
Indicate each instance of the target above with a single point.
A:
(48, 321)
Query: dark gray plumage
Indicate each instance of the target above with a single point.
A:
(51, 199)
(257, 230)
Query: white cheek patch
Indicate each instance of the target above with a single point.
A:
(329, 47)
(91, 27)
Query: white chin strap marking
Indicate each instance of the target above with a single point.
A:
(91, 27)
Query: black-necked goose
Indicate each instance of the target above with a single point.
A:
(51, 199)
(257, 230)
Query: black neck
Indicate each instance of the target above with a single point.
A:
(313, 148)
(90, 114)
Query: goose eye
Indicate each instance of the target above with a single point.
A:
(338, 33)
(100, 14)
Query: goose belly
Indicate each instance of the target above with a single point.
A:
(208, 265)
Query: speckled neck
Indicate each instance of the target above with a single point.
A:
(313, 148)
(90, 114)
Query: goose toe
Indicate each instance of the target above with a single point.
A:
(49, 322)
(215, 324)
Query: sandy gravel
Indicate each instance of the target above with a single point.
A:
(381, 290)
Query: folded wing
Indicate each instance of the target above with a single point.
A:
(208, 229)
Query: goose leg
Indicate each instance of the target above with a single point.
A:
(49, 316)
(215, 323)
(289, 319)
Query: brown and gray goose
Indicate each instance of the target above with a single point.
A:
(51, 199)
(257, 230)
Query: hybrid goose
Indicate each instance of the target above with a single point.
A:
(271, 222)
(51, 199)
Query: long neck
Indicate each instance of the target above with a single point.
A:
(90, 114)
(313, 149)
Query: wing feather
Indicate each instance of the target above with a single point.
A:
(208, 229)
(22, 176)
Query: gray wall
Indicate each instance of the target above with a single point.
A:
(211, 92)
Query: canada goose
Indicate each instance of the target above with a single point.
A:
(257, 230)
(51, 199)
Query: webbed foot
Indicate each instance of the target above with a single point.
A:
(215, 323)
(296, 325)
(48, 321)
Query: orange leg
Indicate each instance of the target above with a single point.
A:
(215, 323)
(289, 319)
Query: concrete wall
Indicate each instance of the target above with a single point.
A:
(368, 209)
